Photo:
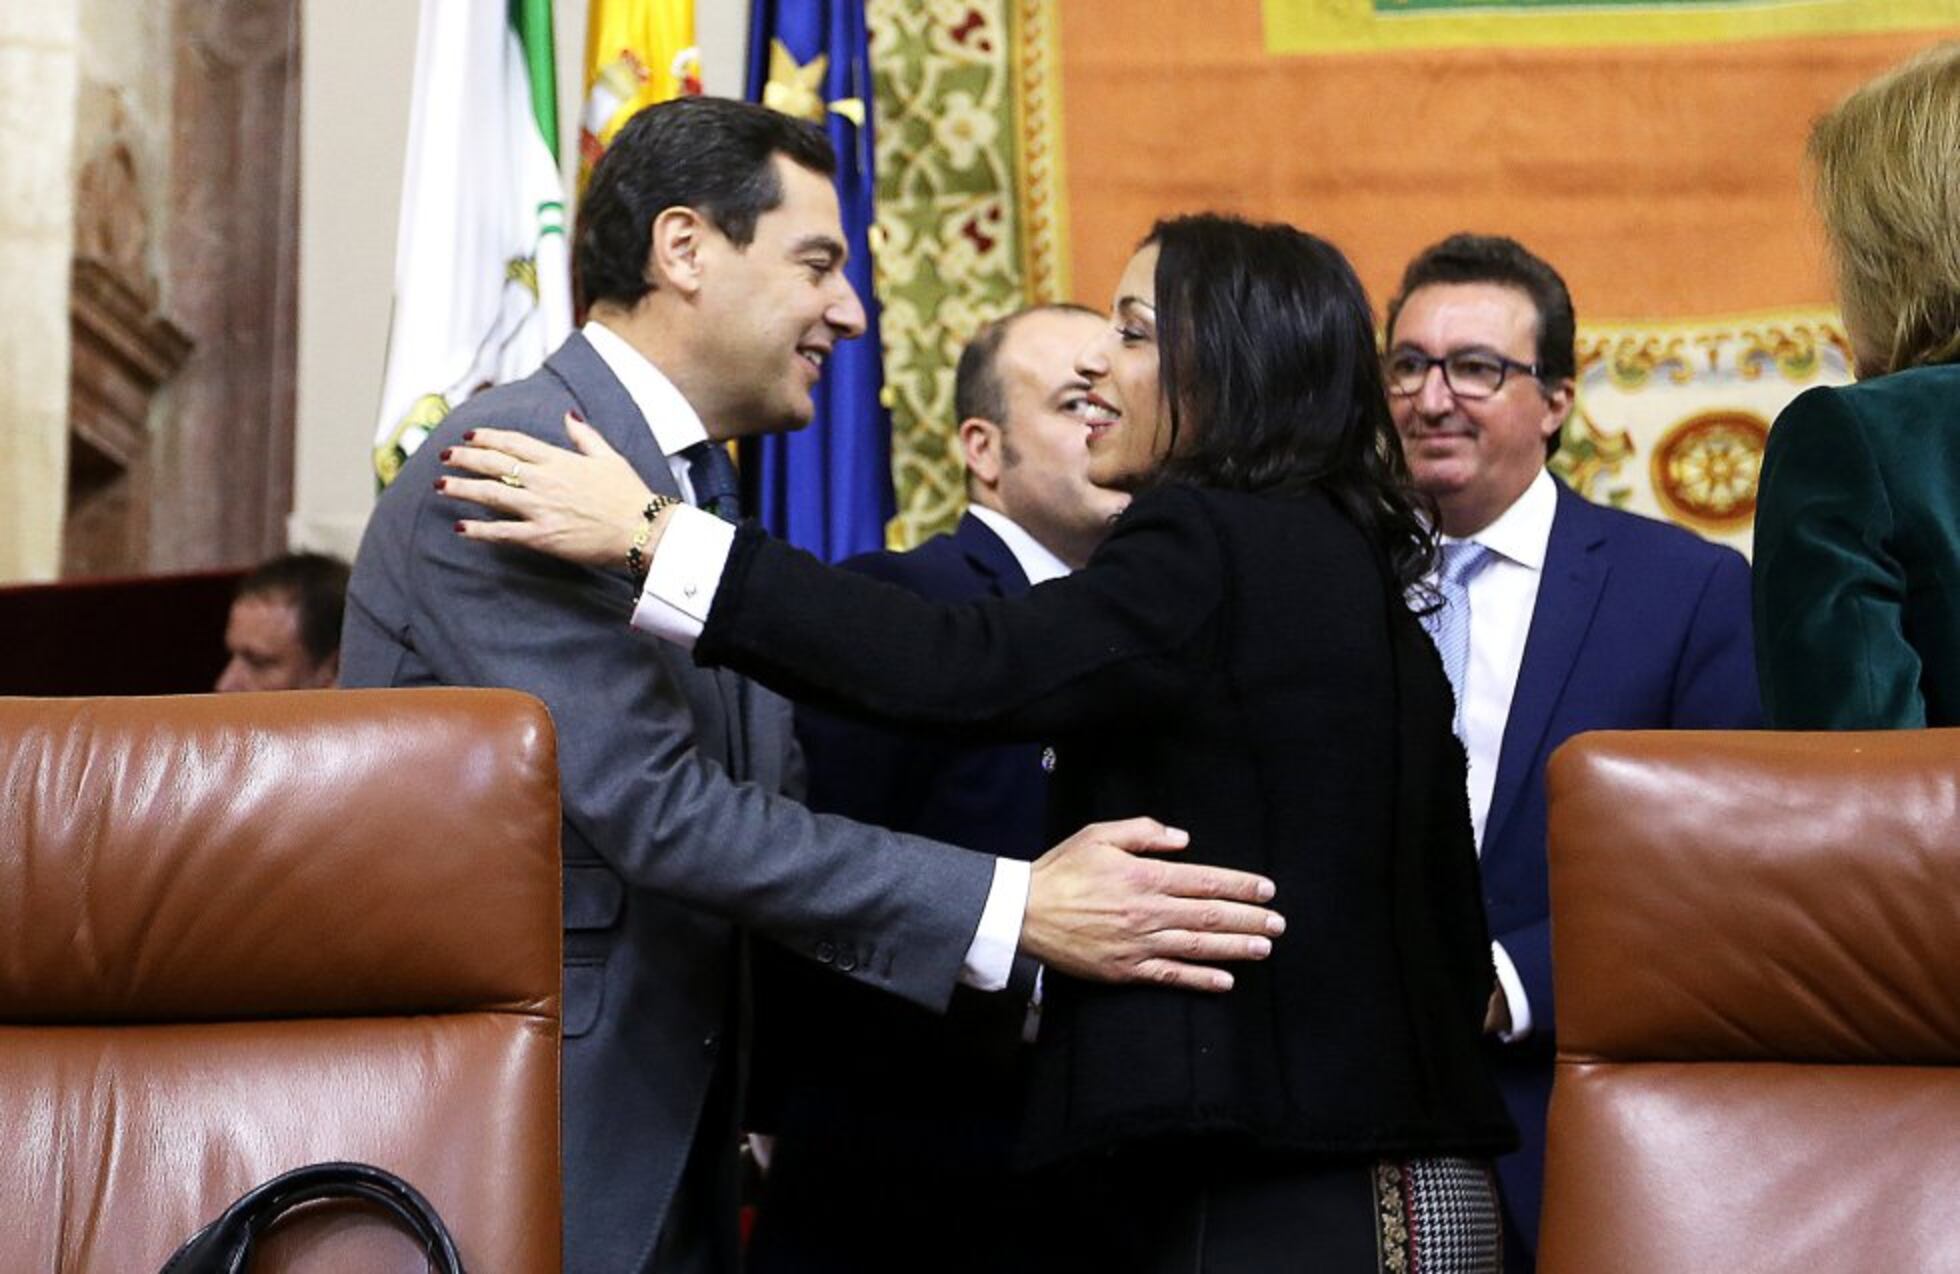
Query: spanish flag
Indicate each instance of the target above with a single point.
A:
(637, 52)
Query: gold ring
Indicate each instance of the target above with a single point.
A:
(515, 478)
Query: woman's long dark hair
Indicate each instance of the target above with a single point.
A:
(1267, 358)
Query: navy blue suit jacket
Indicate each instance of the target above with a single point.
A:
(1639, 625)
(844, 1067)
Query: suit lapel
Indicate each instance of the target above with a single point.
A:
(608, 408)
(990, 557)
(1568, 595)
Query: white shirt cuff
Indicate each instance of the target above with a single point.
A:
(990, 960)
(1514, 996)
(682, 579)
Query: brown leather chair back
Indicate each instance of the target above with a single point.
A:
(241, 933)
(1757, 944)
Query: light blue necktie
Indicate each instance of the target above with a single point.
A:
(1449, 623)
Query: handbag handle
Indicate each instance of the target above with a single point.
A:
(225, 1245)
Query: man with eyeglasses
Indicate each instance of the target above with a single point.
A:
(1557, 615)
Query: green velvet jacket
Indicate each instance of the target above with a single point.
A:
(1857, 560)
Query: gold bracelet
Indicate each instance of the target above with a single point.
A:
(636, 553)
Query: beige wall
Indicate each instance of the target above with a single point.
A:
(38, 80)
(357, 61)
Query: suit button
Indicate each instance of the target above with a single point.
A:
(847, 960)
(708, 1044)
(827, 951)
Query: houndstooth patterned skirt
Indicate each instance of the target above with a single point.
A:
(1438, 1216)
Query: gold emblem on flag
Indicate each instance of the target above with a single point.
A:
(523, 271)
(796, 88)
(416, 424)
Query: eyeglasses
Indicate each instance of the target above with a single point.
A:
(1469, 373)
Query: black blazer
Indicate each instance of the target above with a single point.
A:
(855, 1068)
(1237, 665)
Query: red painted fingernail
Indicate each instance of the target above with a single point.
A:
(445, 453)
(439, 482)
(575, 414)
(459, 528)
(469, 434)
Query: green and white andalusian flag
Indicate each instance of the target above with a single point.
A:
(482, 272)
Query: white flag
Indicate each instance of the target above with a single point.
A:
(482, 269)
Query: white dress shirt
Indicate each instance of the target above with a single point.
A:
(1502, 597)
(680, 589)
(675, 427)
(1030, 554)
(671, 419)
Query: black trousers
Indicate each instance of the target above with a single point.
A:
(701, 1235)
(826, 1211)
(828, 1208)
(1158, 1216)
(1157, 1219)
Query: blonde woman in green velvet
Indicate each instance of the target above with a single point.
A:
(1857, 569)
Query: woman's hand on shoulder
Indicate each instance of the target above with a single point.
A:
(584, 506)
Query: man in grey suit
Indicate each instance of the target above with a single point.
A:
(711, 255)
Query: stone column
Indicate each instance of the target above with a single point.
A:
(38, 78)
(222, 465)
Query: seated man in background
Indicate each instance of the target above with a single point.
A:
(894, 1125)
(1557, 615)
(284, 630)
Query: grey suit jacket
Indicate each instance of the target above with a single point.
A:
(677, 832)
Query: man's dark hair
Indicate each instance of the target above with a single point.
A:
(316, 585)
(977, 390)
(711, 154)
(1491, 258)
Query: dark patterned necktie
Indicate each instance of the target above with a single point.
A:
(712, 474)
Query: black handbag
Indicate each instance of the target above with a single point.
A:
(225, 1245)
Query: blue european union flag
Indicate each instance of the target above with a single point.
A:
(828, 488)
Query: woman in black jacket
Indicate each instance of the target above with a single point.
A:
(1239, 660)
